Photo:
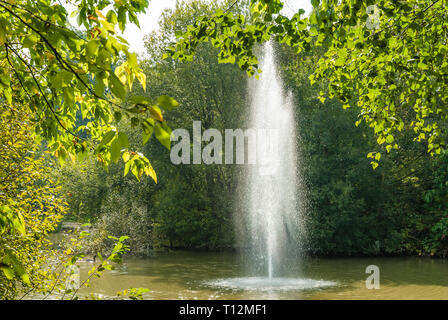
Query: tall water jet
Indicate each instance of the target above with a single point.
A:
(270, 219)
(274, 220)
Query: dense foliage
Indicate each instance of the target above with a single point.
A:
(66, 88)
(355, 210)
(399, 208)
(74, 82)
(31, 207)
(29, 202)
(212, 93)
(68, 92)
(390, 55)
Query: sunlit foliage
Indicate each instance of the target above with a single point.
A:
(75, 81)
(30, 205)
(390, 55)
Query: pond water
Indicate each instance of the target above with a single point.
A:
(197, 275)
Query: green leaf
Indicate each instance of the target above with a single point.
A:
(118, 89)
(127, 166)
(111, 17)
(163, 135)
(92, 48)
(8, 272)
(313, 18)
(390, 139)
(3, 38)
(167, 102)
(140, 100)
(148, 129)
(8, 95)
(135, 121)
(123, 140)
(69, 97)
(107, 137)
(123, 238)
(99, 84)
(115, 150)
(135, 170)
(26, 279)
(117, 116)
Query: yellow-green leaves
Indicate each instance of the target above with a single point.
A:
(10, 220)
(126, 156)
(2, 31)
(156, 113)
(117, 87)
(155, 122)
(67, 76)
(115, 150)
(140, 100)
(138, 165)
(92, 49)
(141, 77)
(390, 138)
(8, 272)
(133, 293)
(13, 268)
(108, 137)
(30, 204)
(376, 156)
(395, 69)
(163, 134)
(118, 142)
(122, 139)
(167, 102)
(148, 129)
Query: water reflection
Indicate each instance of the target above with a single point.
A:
(186, 275)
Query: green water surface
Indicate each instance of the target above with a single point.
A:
(193, 275)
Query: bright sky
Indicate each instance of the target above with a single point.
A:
(148, 21)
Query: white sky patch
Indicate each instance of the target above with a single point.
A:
(148, 22)
(292, 6)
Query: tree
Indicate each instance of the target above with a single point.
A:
(389, 55)
(396, 209)
(211, 92)
(30, 205)
(75, 82)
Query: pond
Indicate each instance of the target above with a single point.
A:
(201, 275)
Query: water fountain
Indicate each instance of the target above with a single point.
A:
(273, 215)
(271, 226)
